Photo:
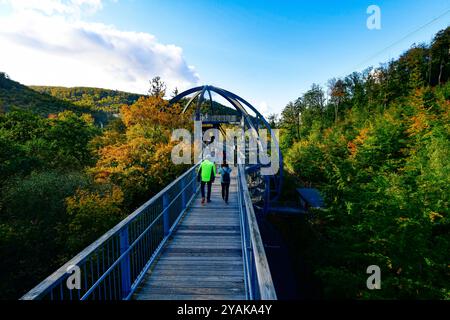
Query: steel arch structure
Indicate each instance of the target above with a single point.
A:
(272, 183)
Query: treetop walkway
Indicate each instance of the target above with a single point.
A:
(172, 247)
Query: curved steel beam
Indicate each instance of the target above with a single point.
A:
(199, 102)
(184, 94)
(190, 101)
(232, 98)
(247, 104)
(198, 91)
(233, 102)
(274, 139)
(257, 113)
(240, 105)
(236, 105)
(211, 100)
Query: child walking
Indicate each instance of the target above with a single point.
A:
(225, 180)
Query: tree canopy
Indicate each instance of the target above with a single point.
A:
(378, 150)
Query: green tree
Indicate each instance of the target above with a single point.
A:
(157, 87)
(32, 228)
(383, 170)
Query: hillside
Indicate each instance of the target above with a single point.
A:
(46, 100)
(15, 95)
(95, 98)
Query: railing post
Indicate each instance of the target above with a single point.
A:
(183, 194)
(166, 214)
(125, 263)
(195, 183)
(266, 194)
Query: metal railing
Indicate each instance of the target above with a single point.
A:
(226, 118)
(112, 267)
(258, 279)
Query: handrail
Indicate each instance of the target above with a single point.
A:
(114, 265)
(219, 117)
(258, 280)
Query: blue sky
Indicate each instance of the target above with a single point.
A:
(269, 52)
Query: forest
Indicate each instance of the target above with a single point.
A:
(14, 95)
(377, 145)
(76, 161)
(96, 99)
(65, 181)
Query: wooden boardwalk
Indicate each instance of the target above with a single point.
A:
(203, 259)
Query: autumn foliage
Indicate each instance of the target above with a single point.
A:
(381, 161)
(65, 182)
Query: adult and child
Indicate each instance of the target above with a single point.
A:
(207, 176)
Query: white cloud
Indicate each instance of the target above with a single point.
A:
(47, 42)
(263, 108)
(50, 7)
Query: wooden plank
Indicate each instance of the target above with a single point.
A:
(198, 272)
(227, 211)
(214, 223)
(205, 227)
(207, 238)
(204, 254)
(212, 243)
(195, 278)
(203, 259)
(199, 260)
(214, 209)
(218, 213)
(213, 250)
(192, 291)
(208, 219)
(217, 222)
(204, 251)
(162, 283)
(218, 219)
(222, 213)
(151, 296)
(196, 262)
(205, 233)
(203, 267)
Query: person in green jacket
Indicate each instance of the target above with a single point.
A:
(206, 175)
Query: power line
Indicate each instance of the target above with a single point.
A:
(324, 84)
(402, 39)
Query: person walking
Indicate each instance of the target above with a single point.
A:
(206, 175)
(225, 179)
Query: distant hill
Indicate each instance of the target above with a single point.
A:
(46, 100)
(218, 108)
(95, 98)
(111, 100)
(101, 103)
(15, 95)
